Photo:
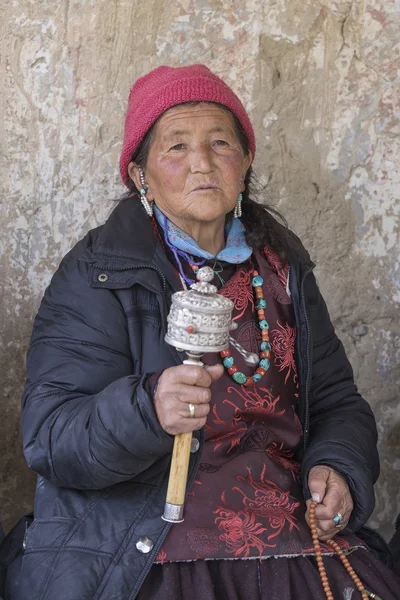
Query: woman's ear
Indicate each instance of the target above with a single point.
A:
(133, 172)
(249, 160)
(246, 166)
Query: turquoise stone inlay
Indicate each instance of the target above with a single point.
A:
(264, 363)
(265, 347)
(239, 377)
(257, 281)
(256, 377)
(261, 304)
(228, 361)
(264, 324)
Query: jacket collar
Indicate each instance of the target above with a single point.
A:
(127, 236)
(126, 250)
(128, 240)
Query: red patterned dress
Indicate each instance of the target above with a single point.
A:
(247, 502)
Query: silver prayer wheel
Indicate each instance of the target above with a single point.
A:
(200, 319)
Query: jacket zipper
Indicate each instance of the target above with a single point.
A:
(308, 373)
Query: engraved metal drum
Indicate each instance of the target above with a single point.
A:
(200, 319)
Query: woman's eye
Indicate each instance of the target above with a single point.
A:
(178, 147)
(221, 142)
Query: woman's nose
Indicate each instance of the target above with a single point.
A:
(201, 160)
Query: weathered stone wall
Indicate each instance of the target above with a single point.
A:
(320, 80)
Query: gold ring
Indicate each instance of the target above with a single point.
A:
(191, 410)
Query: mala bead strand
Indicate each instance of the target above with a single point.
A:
(265, 346)
(365, 594)
(318, 553)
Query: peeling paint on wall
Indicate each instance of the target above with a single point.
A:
(321, 82)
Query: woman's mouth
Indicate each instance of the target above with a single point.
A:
(205, 187)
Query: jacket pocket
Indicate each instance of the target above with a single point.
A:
(149, 314)
(47, 533)
(41, 544)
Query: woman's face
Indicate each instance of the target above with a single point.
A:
(196, 166)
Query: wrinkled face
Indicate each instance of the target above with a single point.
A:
(196, 165)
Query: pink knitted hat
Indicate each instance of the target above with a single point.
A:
(165, 87)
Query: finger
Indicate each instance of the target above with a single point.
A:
(171, 396)
(337, 499)
(200, 411)
(317, 481)
(195, 395)
(215, 371)
(332, 504)
(319, 531)
(328, 525)
(188, 374)
(323, 525)
(325, 530)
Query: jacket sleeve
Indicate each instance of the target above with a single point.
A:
(87, 420)
(342, 429)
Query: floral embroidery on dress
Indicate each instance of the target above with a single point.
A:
(279, 265)
(232, 436)
(296, 422)
(283, 341)
(241, 531)
(270, 502)
(258, 404)
(192, 492)
(204, 541)
(216, 438)
(285, 458)
(161, 557)
(239, 290)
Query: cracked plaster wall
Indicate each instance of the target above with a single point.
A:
(320, 80)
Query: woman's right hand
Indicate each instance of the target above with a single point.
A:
(177, 388)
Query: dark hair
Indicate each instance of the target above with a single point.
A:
(265, 226)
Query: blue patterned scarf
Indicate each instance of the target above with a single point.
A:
(236, 249)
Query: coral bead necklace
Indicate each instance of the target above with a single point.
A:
(265, 346)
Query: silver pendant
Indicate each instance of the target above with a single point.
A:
(250, 358)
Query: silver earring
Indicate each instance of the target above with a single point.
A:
(148, 206)
(237, 213)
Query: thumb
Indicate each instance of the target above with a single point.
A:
(317, 481)
(214, 371)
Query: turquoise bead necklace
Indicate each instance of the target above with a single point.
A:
(265, 346)
(265, 352)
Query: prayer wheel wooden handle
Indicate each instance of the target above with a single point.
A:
(173, 511)
(178, 474)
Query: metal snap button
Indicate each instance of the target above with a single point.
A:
(195, 445)
(103, 277)
(144, 545)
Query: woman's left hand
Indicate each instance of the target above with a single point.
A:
(332, 493)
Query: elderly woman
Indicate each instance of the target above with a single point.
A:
(105, 394)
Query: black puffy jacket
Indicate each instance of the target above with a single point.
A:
(89, 426)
